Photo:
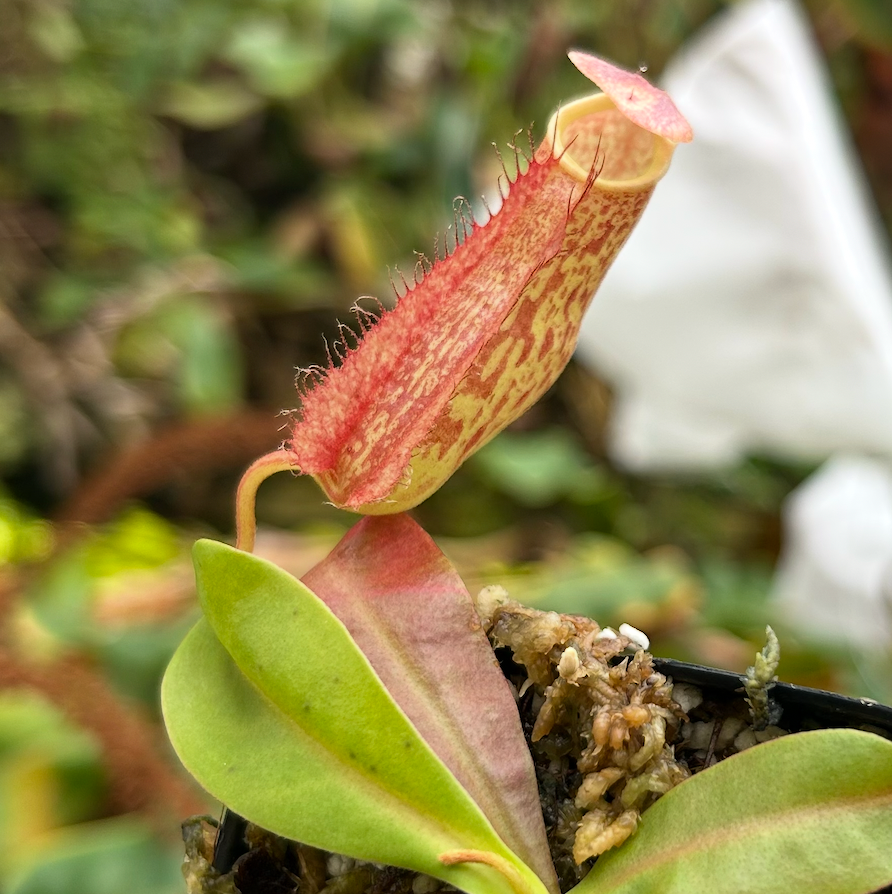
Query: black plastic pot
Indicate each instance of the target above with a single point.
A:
(230, 842)
(802, 709)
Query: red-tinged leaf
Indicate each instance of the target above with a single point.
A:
(410, 614)
(273, 708)
(490, 328)
(641, 102)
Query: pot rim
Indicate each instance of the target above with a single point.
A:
(828, 709)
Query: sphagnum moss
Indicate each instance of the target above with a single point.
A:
(601, 722)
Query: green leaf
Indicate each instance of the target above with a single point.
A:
(54, 30)
(210, 105)
(409, 612)
(210, 375)
(51, 772)
(539, 468)
(277, 62)
(603, 578)
(808, 812)
(105, 857)
(187, 339)
(283, 719)
(65, 299)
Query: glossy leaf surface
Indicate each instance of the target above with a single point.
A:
(811, 812)
(272, 707)
(411, 615)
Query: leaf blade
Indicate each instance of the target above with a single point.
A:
(261, 702)
(812, 811)
(411, 615)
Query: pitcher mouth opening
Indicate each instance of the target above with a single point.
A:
(591, 134)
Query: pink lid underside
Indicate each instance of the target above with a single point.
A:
(641, 102)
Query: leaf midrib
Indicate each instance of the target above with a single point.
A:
(751, 828)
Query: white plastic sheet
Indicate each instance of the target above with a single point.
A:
(752, 308)
(835, 577)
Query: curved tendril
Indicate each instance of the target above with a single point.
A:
(246, 496)
(500, 864)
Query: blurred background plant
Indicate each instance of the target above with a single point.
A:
(192, 193)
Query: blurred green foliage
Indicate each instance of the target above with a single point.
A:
(50, 771)
(24, 536)
(539, 468)
(173, 172)
(191, 192)
(105, 857)
(131, 554)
